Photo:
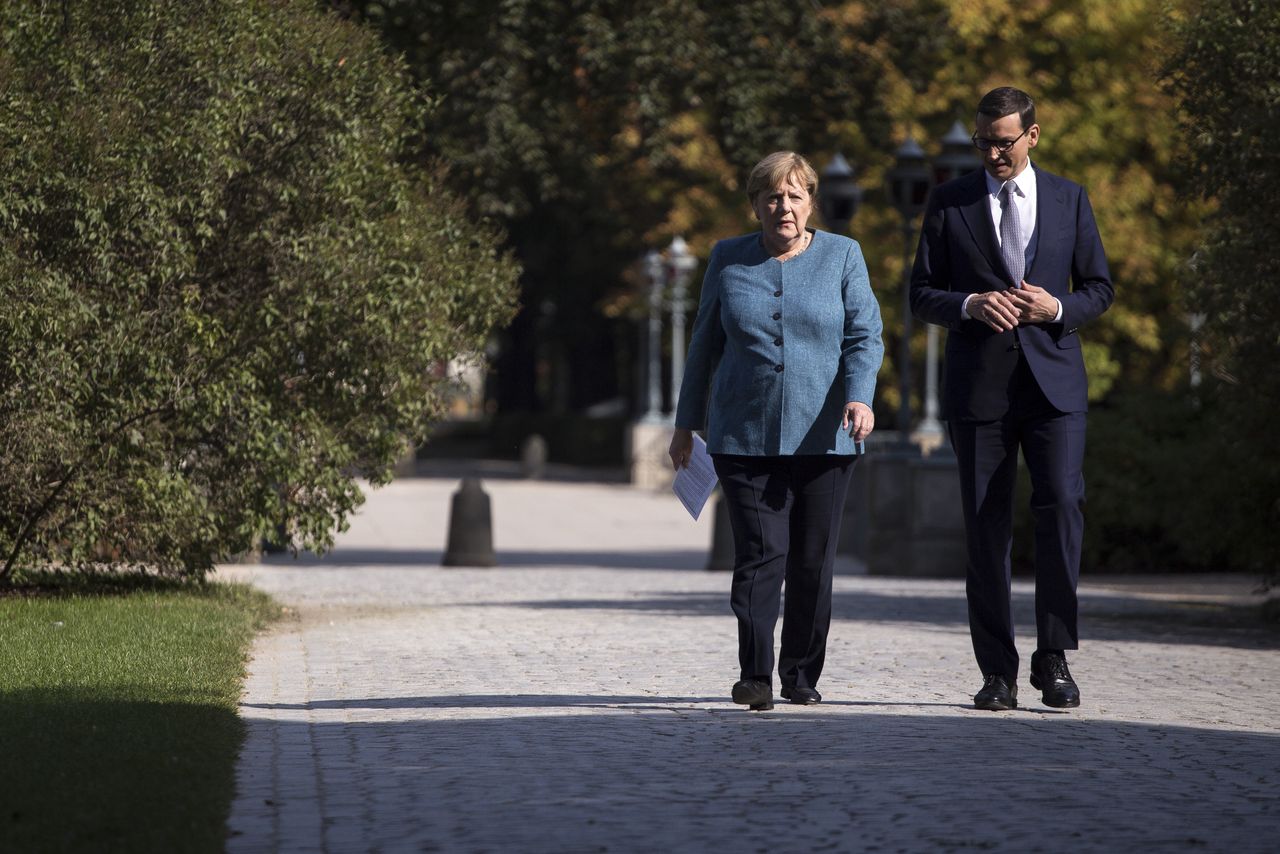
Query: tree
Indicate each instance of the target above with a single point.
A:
(223, 288)
(1093, 68)
(595, 130)
(1224, 75)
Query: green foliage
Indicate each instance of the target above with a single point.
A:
(118, 712)
(1225, 76)
(596, 130)
(1165, 487)
(1092, 67)
(612, 106)
(223, 288)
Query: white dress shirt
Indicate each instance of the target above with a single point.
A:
(1024, 198)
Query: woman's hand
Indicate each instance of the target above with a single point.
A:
(681, 449)
(860, 417)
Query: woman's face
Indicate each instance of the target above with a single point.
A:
(783, 211)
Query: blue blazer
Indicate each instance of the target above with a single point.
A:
(778, 348)
(960, 255)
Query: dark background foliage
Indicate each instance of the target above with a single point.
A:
(595, 130)
(1225, 74)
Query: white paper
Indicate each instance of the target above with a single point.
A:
(695, 483)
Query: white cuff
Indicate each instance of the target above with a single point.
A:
(1057, 318)
(964, 308)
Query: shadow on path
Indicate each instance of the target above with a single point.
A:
(547, 701)
(429, 559)
(489, 701)
(682, 779)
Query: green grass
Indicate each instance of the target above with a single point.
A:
(118, 724)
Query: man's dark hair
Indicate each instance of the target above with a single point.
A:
(999, 103)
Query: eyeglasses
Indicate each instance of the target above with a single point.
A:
(1001, 145)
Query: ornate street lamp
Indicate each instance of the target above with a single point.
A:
(909, 182)
(682, 263)
(957, 158)
(838, 195)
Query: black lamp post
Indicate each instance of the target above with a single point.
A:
(838, 195)
(909, 183)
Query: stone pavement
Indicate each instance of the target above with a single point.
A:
(575, 699)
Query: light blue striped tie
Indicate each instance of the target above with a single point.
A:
(1012, 248)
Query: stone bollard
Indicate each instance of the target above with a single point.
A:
(533, 456)
(721, 537)
(470, 528)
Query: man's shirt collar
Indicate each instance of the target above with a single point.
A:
(1025, 181)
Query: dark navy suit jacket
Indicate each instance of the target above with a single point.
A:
(959, 255)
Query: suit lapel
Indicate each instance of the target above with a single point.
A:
(1051, 219)
(975, 209)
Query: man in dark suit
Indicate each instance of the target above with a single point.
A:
(1010, 262)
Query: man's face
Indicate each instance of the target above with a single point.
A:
(1003, 165)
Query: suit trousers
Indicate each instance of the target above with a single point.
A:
(1052, 443)
(785, 514)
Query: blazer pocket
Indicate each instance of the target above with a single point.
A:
(1069, 342)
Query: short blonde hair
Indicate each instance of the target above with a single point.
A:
(776, 169)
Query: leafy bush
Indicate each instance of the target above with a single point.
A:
(1224, 74)
(1169, 489)
(222, 287)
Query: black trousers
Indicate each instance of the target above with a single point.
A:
(785, 515)
(1052, 443)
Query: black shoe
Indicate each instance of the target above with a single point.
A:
(998, 694)
(802, 696)
(1050, 675)
(754, 693)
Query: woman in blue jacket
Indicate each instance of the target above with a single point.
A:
(780, 374)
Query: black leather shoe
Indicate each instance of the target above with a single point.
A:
(754, 693)
(998, 694)
(802, 696)
(1050, 675)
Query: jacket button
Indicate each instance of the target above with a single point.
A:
(777, 315)
(777, 293)
(777, 369)
(778, 341)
